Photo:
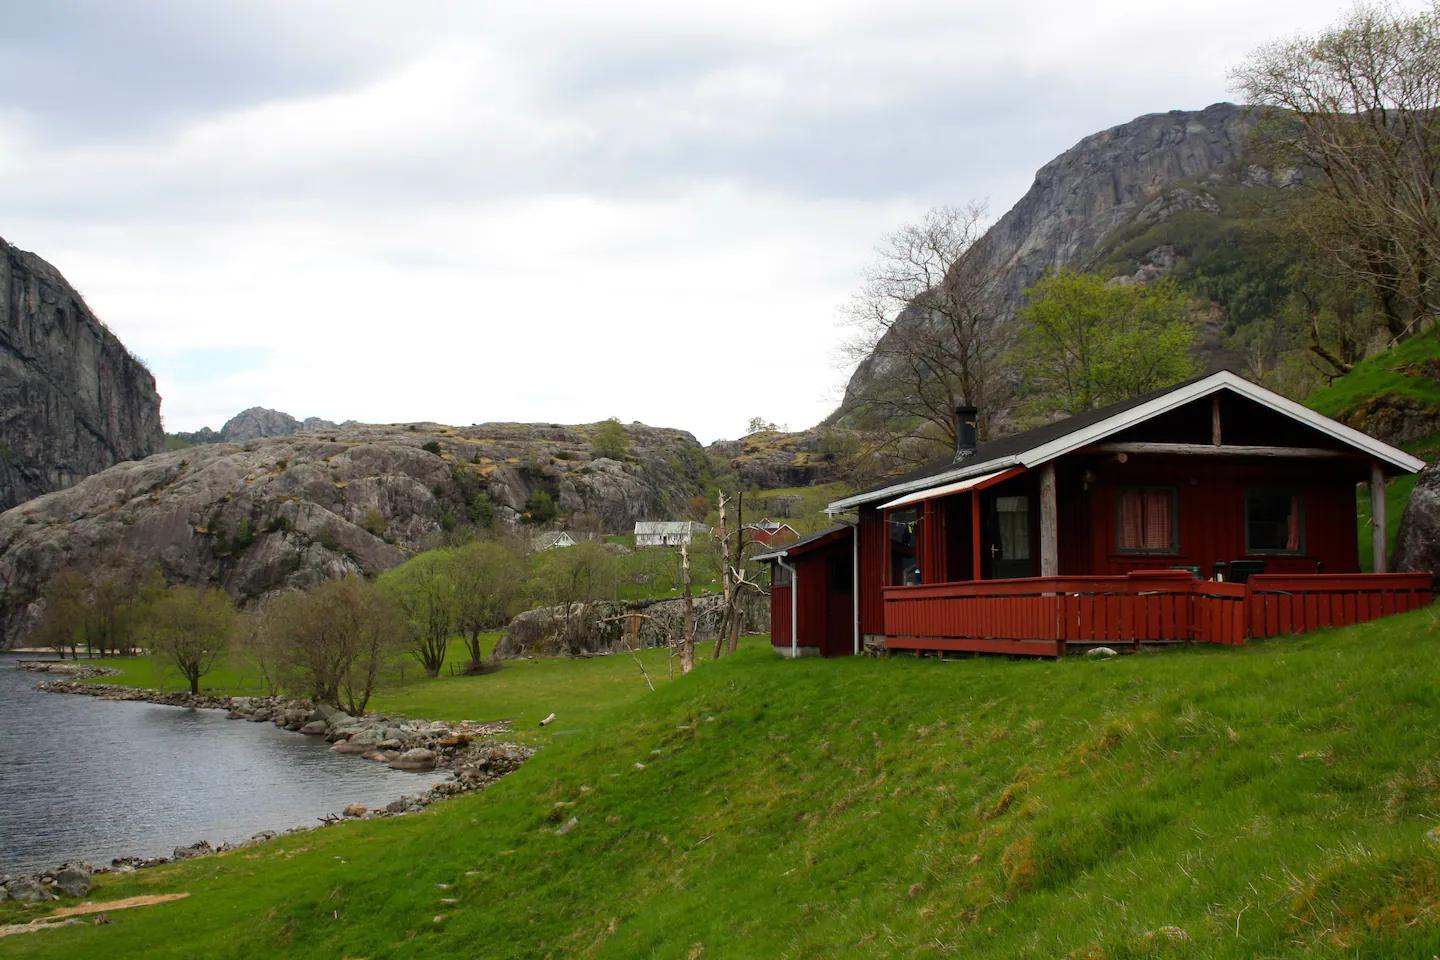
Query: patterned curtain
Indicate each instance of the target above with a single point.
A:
(1132, 520)
(1157, 520)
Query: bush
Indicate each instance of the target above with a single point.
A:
(431, 446)
(482, 510)
(540, 508)
(244, 536)
(610, 441)
(375, 522)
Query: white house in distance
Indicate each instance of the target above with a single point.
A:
(667, 533)
(554, 540)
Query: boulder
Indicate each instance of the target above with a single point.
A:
(355, 810)
(417, 759)
(194, 850)
(315, 728)
(27, 890)
(1417, 547)
(73, 879)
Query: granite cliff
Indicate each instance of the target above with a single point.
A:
(1110, 186)
(73, 401)
(288, 512)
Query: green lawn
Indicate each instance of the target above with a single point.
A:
(1266, 801)
(1400, 373)
(522, 691)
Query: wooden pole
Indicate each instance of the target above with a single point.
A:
(1215, 419)
(1049, 523)
(975, 535)
(1377, 518)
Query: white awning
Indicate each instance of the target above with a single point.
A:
(959, 486)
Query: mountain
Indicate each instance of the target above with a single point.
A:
(73, 400)
(1166, 193)
(283, 512)
(251, 424)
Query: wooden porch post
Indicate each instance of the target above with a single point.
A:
(1377, 518)
(975, 535)
(1049, 526)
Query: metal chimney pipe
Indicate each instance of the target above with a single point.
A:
(966, 418)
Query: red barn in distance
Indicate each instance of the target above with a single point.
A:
(1211, 511)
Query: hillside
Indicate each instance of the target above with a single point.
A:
(1121, 200)
(1272, 800)
(293, 511)
(73, 400)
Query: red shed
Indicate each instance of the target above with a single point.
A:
(811, 588)
(1211, 511)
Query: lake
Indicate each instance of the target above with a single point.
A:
(89, 779)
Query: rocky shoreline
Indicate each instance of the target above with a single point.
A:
(470, 751)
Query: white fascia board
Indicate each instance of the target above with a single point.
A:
(1096, 432)
(1212, 384)
(955, 473)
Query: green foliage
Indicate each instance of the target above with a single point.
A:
(1408, 374)
(1085, 343)
(431, 446)
(243, 537)
(427, 598)
(375, 522)
(191, 628)
(539, 508)
(491, 587)
(481, 510)
(610, 440)
(1226, 803)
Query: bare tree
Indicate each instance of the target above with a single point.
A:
(1361, 113)
(926, 329)
(687, 627)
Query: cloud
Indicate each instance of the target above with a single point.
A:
(539, 212)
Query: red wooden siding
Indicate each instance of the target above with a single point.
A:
(1042, 615)
(780, 616)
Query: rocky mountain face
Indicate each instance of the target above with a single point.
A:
(289, 512)
(254, 424)
(73, 401)
(1140, 174)
(774, 459)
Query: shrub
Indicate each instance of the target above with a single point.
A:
(540, 507)
(610, 441)
(482, 510)
(431, 446)
(244, 536)
(375, 522)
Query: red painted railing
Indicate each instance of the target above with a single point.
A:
(1042, 615)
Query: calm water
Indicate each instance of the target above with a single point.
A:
(87, 779)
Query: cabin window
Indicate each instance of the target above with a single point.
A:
(1012, 518)
(904, 536)
(1147, 520)
(1274, 521)
(779, 576)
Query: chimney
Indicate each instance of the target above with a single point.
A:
(966, 418)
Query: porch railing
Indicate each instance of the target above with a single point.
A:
(1042, 615)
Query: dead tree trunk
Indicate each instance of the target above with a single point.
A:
(687, 630)
(726, 587)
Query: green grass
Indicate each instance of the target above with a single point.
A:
(807, 515)
(1268, 801)
(1394, 374)
(522, 691)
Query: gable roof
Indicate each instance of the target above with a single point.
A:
(805, 543)
(1034, 447)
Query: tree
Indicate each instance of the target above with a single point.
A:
(192, 628)
(610, 440)
(572, 581)
(1360, 117)
(927, 332)
(490, 589)
(760, 425)
(63, 618)
(426, 597)
(332, 643)
(1084, 342)
(540, 508)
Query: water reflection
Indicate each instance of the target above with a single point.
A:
(89, 779)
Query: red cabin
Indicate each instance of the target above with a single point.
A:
(771, 533)
(1212, 511)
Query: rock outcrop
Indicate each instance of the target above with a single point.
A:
(294, 511)
(773, 459)
(1417, 547)
(255, 423)
(595, 628)
(73, 401)
(1135, 174)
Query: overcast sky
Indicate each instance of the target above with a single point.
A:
(466, 212)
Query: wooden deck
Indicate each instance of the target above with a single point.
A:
(1045, 616)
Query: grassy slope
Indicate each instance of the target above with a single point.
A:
(1269, 801)
(1383, 375)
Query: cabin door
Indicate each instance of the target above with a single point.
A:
(1010, 538)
